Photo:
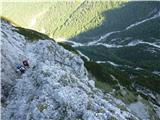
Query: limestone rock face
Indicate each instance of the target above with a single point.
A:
(56, 86)
(12, 51)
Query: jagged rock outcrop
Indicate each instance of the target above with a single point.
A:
(56, 86)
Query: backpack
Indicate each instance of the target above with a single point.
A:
(25, 63)
(18, 66)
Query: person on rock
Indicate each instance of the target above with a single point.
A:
(21, 69)
(25, 63)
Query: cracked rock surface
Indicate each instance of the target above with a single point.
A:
(55, 87)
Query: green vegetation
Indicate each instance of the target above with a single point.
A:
(112, 118)
(103, 86)
(68, 47)
(122, 107)
(59, 19)
(151, 110)
(145, 31)
(50, 47)
(147, 80)
(144, 59)
(118, 19)
(96, 19)
(128, 97)
(42, 107)
(103, 77)
(31, 34)
(103, 73)
(104, 81)
(138, 55)
(86, 21)
(99, 72)
(101, 110)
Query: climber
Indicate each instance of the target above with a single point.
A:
(21, 69)
(25, 63)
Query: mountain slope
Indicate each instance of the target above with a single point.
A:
(120, 49)
(56, 86)
(126, 44)
(129, 37)
(61, 19)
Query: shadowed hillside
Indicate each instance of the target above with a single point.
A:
(120, 47)
(128, 39)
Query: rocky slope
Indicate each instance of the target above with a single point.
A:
(128, 44)
(56, 86)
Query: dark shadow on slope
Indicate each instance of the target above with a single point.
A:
(130, 57)
(32, 35)
(119, 18)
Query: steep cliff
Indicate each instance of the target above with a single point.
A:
(56, 86)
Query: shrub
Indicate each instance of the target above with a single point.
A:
(68, 47)
(42, 107)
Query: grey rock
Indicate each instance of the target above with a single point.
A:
(56, 86)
